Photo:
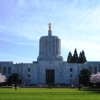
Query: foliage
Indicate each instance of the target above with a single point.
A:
(13, 78)
(84, 77)
(75, 58)
(47, 94)
(95, 78)
(2, 78)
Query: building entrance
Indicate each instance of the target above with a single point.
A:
(50, 76)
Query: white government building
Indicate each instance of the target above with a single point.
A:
(49, 66)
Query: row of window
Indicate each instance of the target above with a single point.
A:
(90, 69)
(94, 70)
(70, 70)
(5, 70)
(9, 69)
(30, 75)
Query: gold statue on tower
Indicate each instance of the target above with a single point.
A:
(49, 26)
(49, 31)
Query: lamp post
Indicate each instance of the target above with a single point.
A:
(23, 82)
(88, 78)
(17, 77)
(80, 79)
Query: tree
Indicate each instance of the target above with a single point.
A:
(82, 58)
(95, 78)
(14, 78)
(84, 77)
(75, 58)
(2, 78)
(69, 58)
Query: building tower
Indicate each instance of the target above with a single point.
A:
(49, 47)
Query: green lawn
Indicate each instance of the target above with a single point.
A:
(47, 94)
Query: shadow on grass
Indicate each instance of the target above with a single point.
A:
(91, 89)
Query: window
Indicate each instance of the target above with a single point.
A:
(28, 69)
(95, 70)
(90, 69)
(4, 70)
(70, 75)
(28, 75)
(9, 70)
(71, 69)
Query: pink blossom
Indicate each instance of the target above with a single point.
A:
(2, 78)
(95, 78)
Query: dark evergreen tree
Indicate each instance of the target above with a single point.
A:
(83, 57)
(80, 57)
(75, 57)
(69, 58)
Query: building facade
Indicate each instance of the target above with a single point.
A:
(49, 67)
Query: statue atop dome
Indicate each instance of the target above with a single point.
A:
(49, 31)
(49, 26)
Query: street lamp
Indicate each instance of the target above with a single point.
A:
(17, 77)
(88, 78)
(80, 79)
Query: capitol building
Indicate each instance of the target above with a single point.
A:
(49, 67)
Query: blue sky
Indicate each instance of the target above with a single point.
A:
(23, 22)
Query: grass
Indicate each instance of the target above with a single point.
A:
(48, 94)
